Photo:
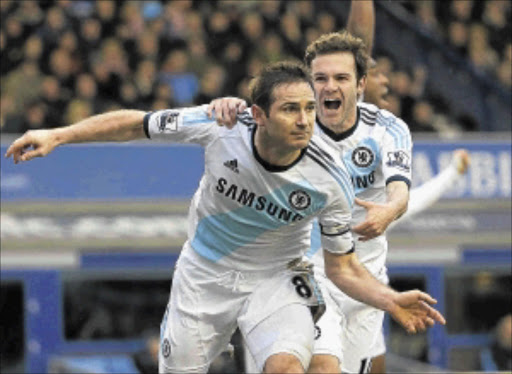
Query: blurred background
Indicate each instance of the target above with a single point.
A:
(89, 235)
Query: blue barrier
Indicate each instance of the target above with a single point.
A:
(162, 171)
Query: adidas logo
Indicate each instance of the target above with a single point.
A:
(232, 164)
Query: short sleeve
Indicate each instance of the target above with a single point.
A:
(397, 151)
(334, 223)
(187, 125)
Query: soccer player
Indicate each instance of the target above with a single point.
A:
(376, 147)
(250, 223)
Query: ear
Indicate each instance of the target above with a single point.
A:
(259, 115)
(361, 86)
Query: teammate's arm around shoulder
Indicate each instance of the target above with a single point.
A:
(118, 126)
(225, 110)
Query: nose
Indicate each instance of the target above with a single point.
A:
(384, 79)
(302, 120)
(330, 85)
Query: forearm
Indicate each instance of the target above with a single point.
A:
(397, 198)
(353, 279)
(118, 126)
(361, 21)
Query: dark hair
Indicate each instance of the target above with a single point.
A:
(262, 87)
(341, 41)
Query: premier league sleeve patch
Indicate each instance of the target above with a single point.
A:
(399, 159)
(169, 121)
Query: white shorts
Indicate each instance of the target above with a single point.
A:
(208, 301)
(354, 326)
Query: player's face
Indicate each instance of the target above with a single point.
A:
(376, 87)
(336, 89)
(292, 115)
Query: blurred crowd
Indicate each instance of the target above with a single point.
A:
(68, 59)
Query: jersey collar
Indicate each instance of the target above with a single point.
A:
(342, 135)
(268, 166)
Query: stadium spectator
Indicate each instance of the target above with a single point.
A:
(55, 99)
(10, 119)
(23, 84)
(498, 356)
(229, 31)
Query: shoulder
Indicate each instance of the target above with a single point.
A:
(388, 119)
(324, 157)
(368, 111)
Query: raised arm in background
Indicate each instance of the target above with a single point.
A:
(361, 21)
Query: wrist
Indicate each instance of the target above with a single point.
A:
(391, 304)
(59, 136)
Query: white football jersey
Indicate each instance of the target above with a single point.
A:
(248, 214)
(376, 151)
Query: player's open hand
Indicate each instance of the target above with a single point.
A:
(378, 217)
(225, 110)
(34, 143)
(414, 312)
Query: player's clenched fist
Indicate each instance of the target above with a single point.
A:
(35, 143)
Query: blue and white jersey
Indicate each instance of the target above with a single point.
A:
(376, 151)
(248, 214)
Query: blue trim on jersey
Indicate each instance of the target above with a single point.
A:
(396, 130)
(195, 118)
(340, 175)
(219, 235)
(316, 239)
(401, 133)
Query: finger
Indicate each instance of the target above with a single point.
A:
(17, 146)
(242, 106)
(361, 228)
(18, 152)
(226, 114)
(358, 201)
(233, 112)
(31, 154)
(420, 325)
(209, 109)
(410, 328)
(437, 316)
(429, 322)
(426, 298)
(433, 313)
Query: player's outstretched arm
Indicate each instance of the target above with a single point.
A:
(225, 110)
(120, 125)
(411, 309)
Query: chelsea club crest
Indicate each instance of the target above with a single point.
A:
(362, 156)
(299, 200)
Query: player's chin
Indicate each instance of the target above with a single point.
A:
(301, 143)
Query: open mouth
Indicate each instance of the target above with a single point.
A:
(332, 103)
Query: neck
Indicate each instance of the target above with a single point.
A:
(346, 123)
(272, 152)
